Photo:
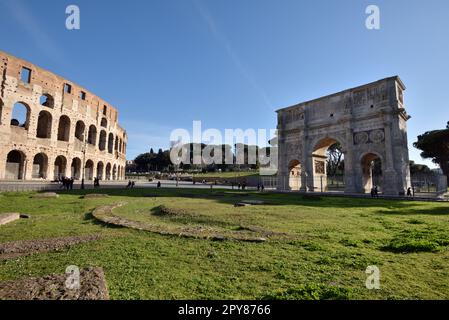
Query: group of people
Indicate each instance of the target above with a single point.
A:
(96, 183)
(131, 184)
(260, 187)
(66, 183)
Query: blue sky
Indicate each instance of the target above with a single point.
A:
(231, 64)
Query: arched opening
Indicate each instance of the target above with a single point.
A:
(79, 130)
(372, 172)
(89, 170)
(116, 144)
(100, 170)
(104, 122)
(20, 116)
(328, 166)
(114, 172)
(102, 142)
(44, 122)
(64, 128)
(108, 171)
(92, 137)
(76, 169)
(120, 145)
(15, 165)
(111, 143)
(40, 166)
(60, 167)
(294, 178)
(47, 100)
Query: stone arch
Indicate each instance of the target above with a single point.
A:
(108, 171)
(44, 125)
(60, 167)
(40, 166)
(111, 143)
(80, 128)
(64, 128)
(372, 167)
(100, 170)
(104, 123)
(116, 143)
(20, 115)
(15, 165)
(92, 136)
(320, 180)
(89, 170)
(76, 168)
(114, 172)
(294, 173)
(102, 140)
(120, 145)
(47, 100)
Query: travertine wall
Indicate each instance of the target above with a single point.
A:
(368, 121)
(63, 132)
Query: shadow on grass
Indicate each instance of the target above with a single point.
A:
(437, 211)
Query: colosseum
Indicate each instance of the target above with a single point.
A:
(52, 128)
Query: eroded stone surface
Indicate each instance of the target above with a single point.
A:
(8, 217)
(53, 287)
(16, 249)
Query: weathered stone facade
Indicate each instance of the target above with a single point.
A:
(64, 128)
(369, 122)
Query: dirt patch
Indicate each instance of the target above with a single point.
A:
(53, 287)
(165, 211)
(16, 249)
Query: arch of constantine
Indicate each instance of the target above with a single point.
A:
(52, 128)
(369, 125)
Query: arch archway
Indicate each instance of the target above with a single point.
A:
(60, 167)
(79, 130)
(100, 170)
(102, 140)
(44, 123)
(111, 143)
(108, 171)
(46, 100)
(76, 168)
(104, 123)
(64, 128)
(15, 165)
(372, 172)
(114, 172)
(40, 166)
(20, 115)
(89, 170)
(294, 175)
(328, 165)
(92, 136)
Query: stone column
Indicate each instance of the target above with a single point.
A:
(350, 185)
(390, 175)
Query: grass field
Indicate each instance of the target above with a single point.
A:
(320, 250)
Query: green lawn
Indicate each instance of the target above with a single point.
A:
(326, 246)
